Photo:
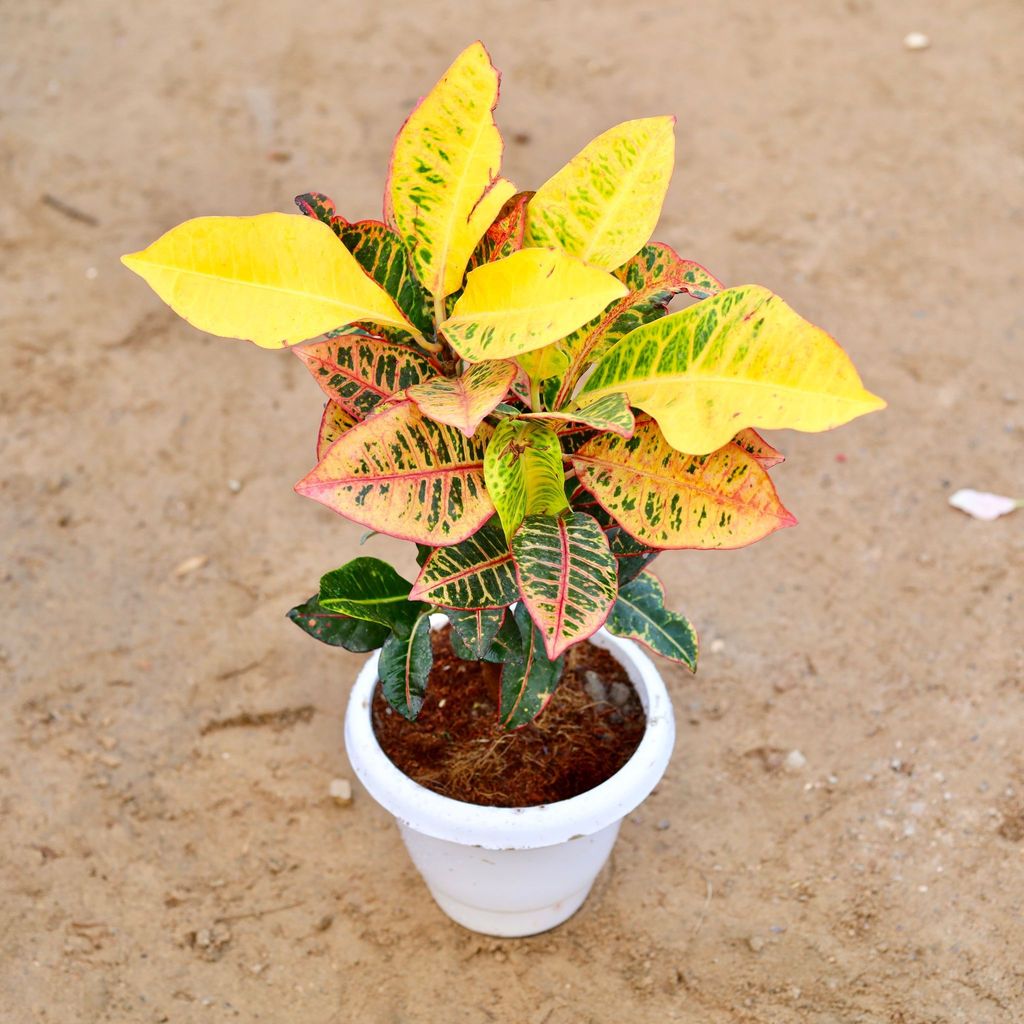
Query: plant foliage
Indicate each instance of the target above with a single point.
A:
(507, 388)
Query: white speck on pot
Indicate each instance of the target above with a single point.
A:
(916, 41)
(717, 645)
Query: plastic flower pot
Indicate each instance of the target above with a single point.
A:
(512, 871)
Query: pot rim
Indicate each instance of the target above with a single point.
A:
(516, 828)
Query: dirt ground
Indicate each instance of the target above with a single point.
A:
(158, 869)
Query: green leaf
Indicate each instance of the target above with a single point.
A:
(505, 235)
(369, 589)
(567, 576)
(383, 255)
(506, 643)
(529, 677)
(474, 632)
(404, 667)
(473, 574)
(336, 629)
(631, 556)
(523, 472)
(640, 614)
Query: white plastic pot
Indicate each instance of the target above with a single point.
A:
(513, 871)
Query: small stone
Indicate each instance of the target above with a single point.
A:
(341, 792)
(756, 943)
(717, 645)
(916, 41)
(594, 686)
(663, 825)
(619, 693)
(234, 486)
(190, 565)
(794, 761)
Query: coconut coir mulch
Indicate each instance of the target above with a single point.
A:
(455, 747)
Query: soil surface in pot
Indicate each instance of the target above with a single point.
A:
(455, 747)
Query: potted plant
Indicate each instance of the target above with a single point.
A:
(506, 389)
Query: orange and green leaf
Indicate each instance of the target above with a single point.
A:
(754, 444)
(276, 279)
(404, 475)
(739, 359)
(473, 574)
(505, 235)
(525, 301)
(666, 499)
(523, 471)
(334, 422)
(567, 576)
(359, 372)
(603, 205)
(443, 189)
(463, 402)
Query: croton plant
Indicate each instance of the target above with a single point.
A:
(506, 388)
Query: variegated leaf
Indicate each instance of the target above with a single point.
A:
(640, 614)
(322, 208)
(524, 302)
(443, 189)
(567, 576)
(473, 574)
(604, 204)
(523, 471)
(666, 499)
(473, 633)
(741, 358)
(754, 444)
(631, 556)
(544, 363)
(406, 476)
(529, 677)
(358, 373)
(505, 235)
(653, 276)
(383, 255)
(276, 279)
(334, 422)
(336, 629)
(609, 413)
(463, 402)
(371, 590)
(404, 667)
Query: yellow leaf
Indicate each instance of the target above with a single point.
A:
(603, 205)
(741, 358)
(525, 301)
(276, 279)
(443, 189)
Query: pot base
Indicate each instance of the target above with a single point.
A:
(512, 924)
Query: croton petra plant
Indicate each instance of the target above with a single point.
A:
(506, 389)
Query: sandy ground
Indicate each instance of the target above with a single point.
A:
(156, 872)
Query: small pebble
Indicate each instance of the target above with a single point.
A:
(916, 41)
(794, 761)
(341, 792)
(663, 825)
(717, 646)
(190, 565)
(756, 943)
(234, 486)
(619, 693)
(594, 686)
